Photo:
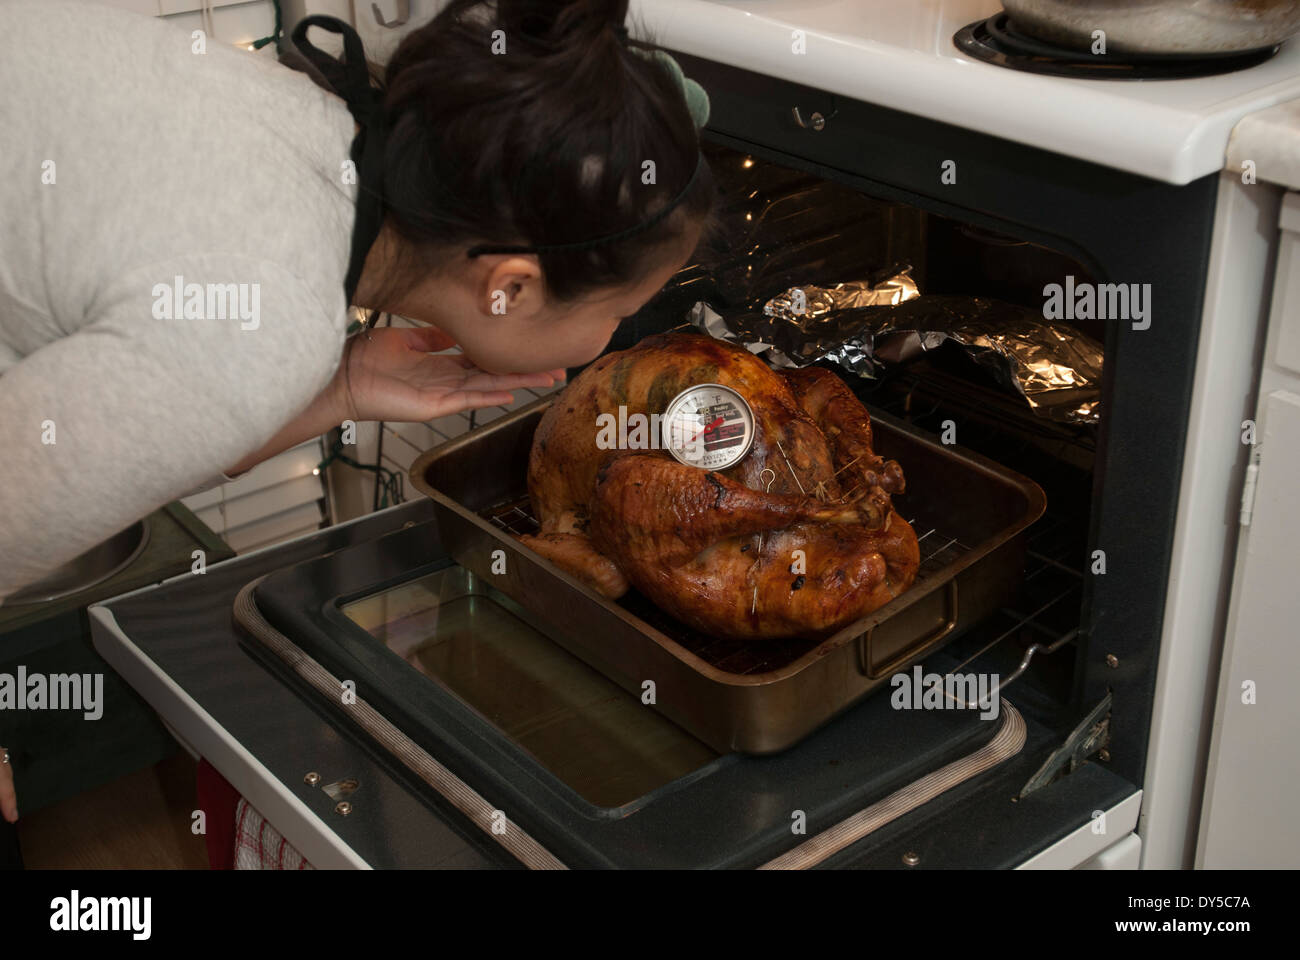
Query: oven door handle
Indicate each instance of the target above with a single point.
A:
(914, 650)
(817, 120)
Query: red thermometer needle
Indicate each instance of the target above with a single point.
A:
(709, 428)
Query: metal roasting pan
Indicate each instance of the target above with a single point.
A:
(754, 697)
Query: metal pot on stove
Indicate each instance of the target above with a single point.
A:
(1160, 27)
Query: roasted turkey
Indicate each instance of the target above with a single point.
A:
(718, 549)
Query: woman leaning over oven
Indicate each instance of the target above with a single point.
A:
(520, 182)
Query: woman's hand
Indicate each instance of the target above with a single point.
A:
(8, 796)
(393, 376)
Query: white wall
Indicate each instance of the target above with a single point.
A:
(233, 21)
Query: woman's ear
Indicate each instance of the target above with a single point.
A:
(514, 286)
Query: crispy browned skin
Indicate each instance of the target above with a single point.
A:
(575, 553)
(846, 426)
(716, 549)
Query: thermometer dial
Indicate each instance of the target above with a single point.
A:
(708, 426)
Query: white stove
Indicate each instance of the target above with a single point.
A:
(1204, 751)
(902, 55)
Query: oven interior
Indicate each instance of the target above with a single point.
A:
(780, 226)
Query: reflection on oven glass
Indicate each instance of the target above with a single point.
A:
(599, 739)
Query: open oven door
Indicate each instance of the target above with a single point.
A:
(265, 730)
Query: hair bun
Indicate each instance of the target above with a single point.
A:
(556, 20)
(697, 99)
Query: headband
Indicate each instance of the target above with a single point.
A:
(350, 79)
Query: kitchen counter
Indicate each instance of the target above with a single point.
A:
(1271, 140)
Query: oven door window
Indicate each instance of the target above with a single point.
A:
(477, 643)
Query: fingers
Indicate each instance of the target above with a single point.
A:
(460, 400)
(8, 796)
(479, 389)
(431, 340)
(493, 398)
(476, 379)
(545, 378)
(467, 387)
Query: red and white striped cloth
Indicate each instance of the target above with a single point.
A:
(259, 846)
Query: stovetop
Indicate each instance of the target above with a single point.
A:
(999, 40)
(902, 55)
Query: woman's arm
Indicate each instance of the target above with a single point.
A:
(324, 413)
(393, 375)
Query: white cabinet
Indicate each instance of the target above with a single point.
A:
(233, 21)
(151, 7)
(1284, 352)
(1248, 813)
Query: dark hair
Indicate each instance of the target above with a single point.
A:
(542, 144)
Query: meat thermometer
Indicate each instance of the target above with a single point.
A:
(708, 426)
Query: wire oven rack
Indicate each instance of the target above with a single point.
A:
(1047, 613)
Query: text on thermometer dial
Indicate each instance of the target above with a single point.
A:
(708, 426)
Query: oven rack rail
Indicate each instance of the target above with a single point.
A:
(1048, 612)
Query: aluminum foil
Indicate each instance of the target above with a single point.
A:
(809, 323)
(809, 305)
(862, 326)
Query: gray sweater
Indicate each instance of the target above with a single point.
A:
(174, 231)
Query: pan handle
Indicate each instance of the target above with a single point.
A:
(876, 671)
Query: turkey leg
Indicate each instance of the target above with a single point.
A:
(658, 509)
(573, 553)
